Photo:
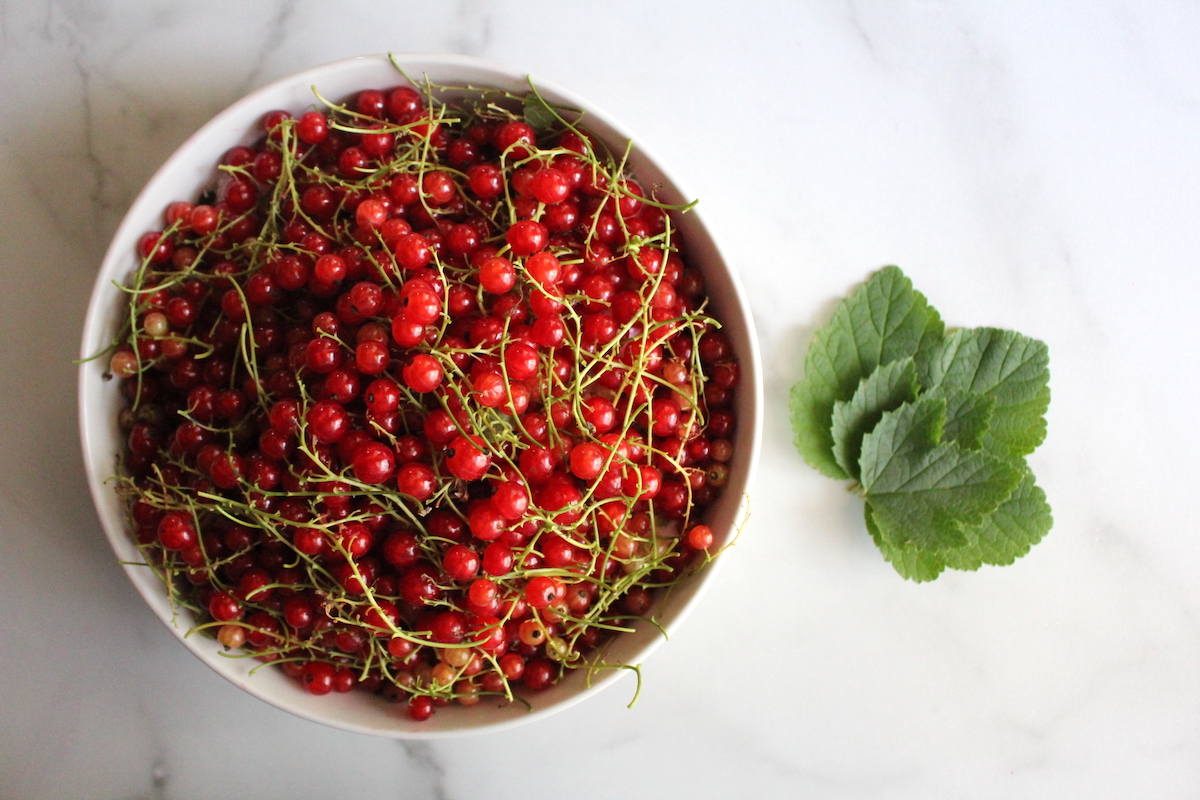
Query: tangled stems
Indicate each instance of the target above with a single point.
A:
(570, 424)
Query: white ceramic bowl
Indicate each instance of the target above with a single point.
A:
(183, 175)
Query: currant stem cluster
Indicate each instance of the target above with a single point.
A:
(584, 381)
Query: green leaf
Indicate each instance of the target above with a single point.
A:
(538, 114)
(1010, 368)
(968, 416)
(1018, 524)
(925, 491)
(883, 390)
(1008, 533)
(939, 461)
(883, 321)
(911, 562)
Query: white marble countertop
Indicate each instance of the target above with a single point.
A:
(1031, 166)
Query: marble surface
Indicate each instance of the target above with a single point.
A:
(1031, 165)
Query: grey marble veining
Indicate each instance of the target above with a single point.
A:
(1030, 166)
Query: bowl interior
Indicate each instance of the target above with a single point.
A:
(190, 169)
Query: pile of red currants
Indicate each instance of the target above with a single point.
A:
(422, 400)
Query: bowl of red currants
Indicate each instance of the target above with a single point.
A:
(416, 398)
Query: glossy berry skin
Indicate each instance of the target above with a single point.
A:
(544, 269)
(521, 361)
(328, 421)
(317, 677)
(448, 627)
(421, 305)
(309, 541)
(299, 612)
(423, 374)
(486, 523)
(341, 386)
(488, 634)
(420, 707)
(224, 607)
(176, 530)
(539, 674)
(497, 275)
(700, 537)
(514, 138)
(323, 355)
(412, 251)
(382, 396)
(491, 390)
(550, 186)
(461, 563)
(371, 357)
(486, 181)
(374, 463)
(440, 427)
(416, 480)
(587, 460)
(497, 559)
(467, 459)
(541, 591)
(401, 549)
(381, 620)
(526, 237)
(438, 187)
(312, 127)
(511, 500)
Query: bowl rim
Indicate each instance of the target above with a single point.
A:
(97, 332)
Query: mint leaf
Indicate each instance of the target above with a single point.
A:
(1007, 534)
(883, 390)
(883, 321)
(1010, 368)
(925, 491)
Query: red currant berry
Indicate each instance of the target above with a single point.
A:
(491, 390)
(438, 187)
(541, 591)
(700, 537)
(224, 607)
(486, 181)
(461, 563)
(520, 361)
(374, 463)
(587, 460)
(401, 549)
(420, 707)
(412, 251)
(466, 459)
(496, 275)
(448, 627)
(497, 559)
(526, 237)
(511, 500)
(423, 373)
(550, 186)
(328, 421)
(317, 677)
(486, 523)
(416, 480)
(176, 530)
(514, 139)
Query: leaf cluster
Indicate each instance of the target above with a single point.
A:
(933, 427)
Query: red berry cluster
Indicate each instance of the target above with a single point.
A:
(422, 400)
